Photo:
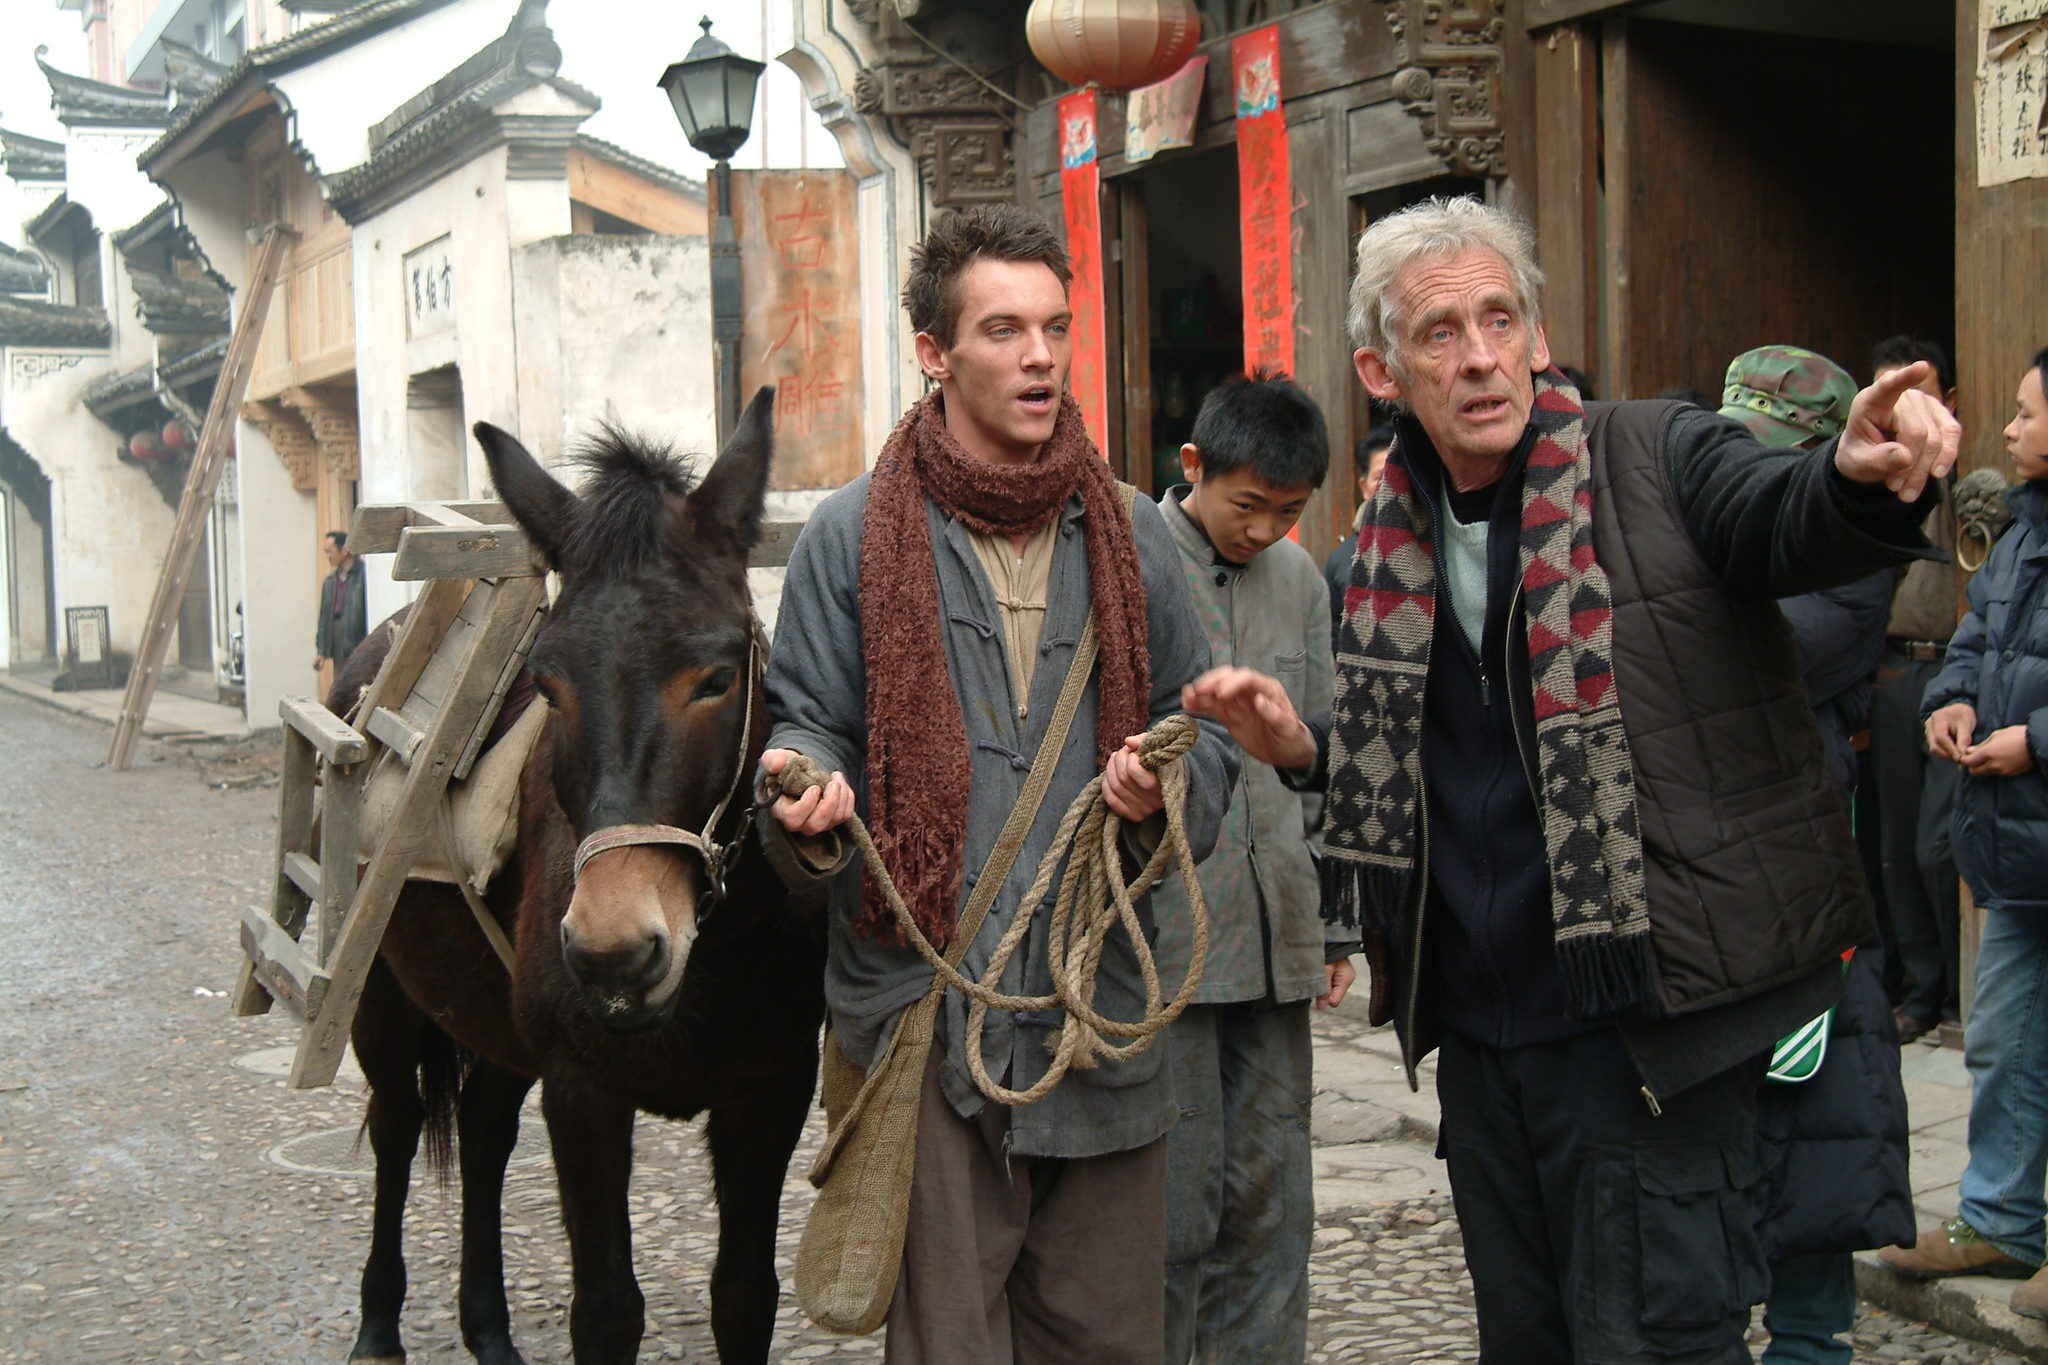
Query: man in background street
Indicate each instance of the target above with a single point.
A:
(343, 618)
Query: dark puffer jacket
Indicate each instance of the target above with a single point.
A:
(1998, 662)
(1836, 1145)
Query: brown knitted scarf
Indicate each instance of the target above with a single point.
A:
(918, 763)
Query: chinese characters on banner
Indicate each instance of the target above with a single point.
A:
(2012, 91)
(1265, 202)
(800, 278)
(1078, 191)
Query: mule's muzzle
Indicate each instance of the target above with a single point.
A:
(627, 935)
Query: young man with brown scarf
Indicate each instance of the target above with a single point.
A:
(973, 555)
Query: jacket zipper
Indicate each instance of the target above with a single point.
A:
(1507, 644)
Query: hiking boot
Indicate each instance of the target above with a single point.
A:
(1912, 1030)
(2031, 1299)
(1955, 1248)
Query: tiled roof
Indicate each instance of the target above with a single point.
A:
(32, 322)
(118, 391)
(169, 304)
(80, 102)
(31, 158)
(307, 45)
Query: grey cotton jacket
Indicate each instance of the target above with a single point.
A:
(817, 693)
(1260, 883)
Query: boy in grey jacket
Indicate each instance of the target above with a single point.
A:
(927, 623)
(1239, 1183)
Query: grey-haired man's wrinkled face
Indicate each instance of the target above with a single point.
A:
(1465, 355)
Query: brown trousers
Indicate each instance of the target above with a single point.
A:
(1027, 1260)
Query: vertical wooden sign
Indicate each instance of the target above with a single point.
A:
(800, 277)
(1079, 191)
(1265, 193)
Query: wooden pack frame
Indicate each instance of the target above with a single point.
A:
(430, 706)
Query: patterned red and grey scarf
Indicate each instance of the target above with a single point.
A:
(918, 764)
(1598, 908)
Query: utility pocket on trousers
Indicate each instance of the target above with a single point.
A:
(1698, 1259)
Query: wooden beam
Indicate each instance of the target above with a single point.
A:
(1616, 302)
(1538, 14)
(472, 551)
(377, 525)
(772, 547)
(395, 732)
(189, 530)
(282, 966)
(325, 730)
(626, 194)
(1567, 154)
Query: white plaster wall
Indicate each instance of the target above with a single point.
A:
(109, 525)
(100, 173)
(278, 604)
(334, 102)
(619, 329)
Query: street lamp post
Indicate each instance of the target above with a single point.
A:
(712, 90)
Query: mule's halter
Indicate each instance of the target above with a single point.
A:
(718, 857)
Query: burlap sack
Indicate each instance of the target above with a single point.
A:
(485, 806)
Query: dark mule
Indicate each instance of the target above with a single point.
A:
(635, 986)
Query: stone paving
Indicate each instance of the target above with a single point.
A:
(163, 1195)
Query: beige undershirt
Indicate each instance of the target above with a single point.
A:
(1020, 584)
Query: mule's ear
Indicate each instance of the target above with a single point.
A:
(732, 494)
(536, 499)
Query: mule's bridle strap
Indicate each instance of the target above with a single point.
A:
(622, 836)
(715, 855)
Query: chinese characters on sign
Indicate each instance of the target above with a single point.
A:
(429, 289)
(2012, 91)
(1079, 192)
(800, 275)
(1265, 202)
(1157, 117)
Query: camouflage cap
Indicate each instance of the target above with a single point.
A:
(1786, 395)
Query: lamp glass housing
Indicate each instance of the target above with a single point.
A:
(712, 90)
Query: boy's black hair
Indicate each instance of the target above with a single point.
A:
(1902, 350)
(1265, 423)
(2041, 364)
(1380, 437)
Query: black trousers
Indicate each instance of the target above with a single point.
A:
(1916, 795)
(1596, 1232)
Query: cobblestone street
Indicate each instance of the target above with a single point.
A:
(164, 1196)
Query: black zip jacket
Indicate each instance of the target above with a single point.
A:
(1762, 523)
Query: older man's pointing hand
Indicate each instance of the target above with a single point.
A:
(1898, 434)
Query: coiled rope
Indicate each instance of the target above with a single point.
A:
(1093, 898)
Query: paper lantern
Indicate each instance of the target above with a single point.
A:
(178, 436)
(1116, 44)
(144, 445)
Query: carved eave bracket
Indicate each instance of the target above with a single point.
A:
(291, 438)
(331, 416)
(1450, 79)
(956, 127)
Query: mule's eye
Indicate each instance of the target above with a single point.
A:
(713, 687)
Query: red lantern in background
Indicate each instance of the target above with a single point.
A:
(178, 436)
(144, 445)
(1116, 44)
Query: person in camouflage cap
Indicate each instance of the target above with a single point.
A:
(1787, 395)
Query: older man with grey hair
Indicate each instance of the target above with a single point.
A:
(1578, 805)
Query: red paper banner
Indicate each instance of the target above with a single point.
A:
(1264, 189)
(1079, 179)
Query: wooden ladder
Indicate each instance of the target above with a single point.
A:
(430, 707)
